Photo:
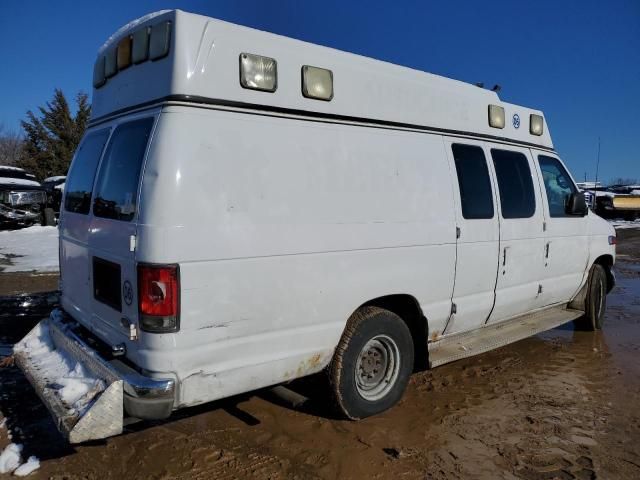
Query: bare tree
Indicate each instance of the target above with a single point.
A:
(11, 146)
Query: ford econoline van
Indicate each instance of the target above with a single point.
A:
(246, 209)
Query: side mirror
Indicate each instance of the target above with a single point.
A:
(576, 205)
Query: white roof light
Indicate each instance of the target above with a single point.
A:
(536, 124)
(160, 39)
(110, 63)
(98, 72)
(140, 49)
(317, 83)
(258, 72)
(496, 116)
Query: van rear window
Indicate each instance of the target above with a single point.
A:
(118, 179)
(80, 181)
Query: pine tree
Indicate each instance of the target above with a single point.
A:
(52, 137)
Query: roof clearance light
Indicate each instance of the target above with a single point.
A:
(110, 63)
(124, 53)
(98, 72)
(496, 116)
(140, 49)
(160, 39)
(317, 83)
(258, 73)
(536, 124)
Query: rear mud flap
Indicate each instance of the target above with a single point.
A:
(102, 415)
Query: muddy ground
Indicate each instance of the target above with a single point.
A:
(564, 404)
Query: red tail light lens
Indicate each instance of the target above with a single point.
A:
(158, 298)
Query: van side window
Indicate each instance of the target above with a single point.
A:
(557, 184)
(517, 197)
(117, 186)
(79, 185)
(476, 197)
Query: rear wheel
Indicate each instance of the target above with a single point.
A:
(372, 363)
(596, 300)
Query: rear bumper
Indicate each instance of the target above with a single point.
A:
(125, 389)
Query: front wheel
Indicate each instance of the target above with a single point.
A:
(372, 363)
(596, 300)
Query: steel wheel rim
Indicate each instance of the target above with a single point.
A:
(377, 367)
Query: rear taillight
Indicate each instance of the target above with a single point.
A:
(158, 298)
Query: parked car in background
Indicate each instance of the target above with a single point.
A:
(23, 199)
(55, 188)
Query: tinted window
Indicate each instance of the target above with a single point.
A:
(473, 178)
(517, 198)
(80, 182)
(557, 184)
(117, 186)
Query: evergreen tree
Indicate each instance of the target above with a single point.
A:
(52, 137)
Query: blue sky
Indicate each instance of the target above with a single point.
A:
(578, 61)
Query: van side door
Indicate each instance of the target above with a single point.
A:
(477, 245)
(522, 236)
(566, 236)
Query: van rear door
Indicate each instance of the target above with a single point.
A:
(112, 237)
(75, 225)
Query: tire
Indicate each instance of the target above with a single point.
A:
(596, 300)
(48, 217)
(372, 363)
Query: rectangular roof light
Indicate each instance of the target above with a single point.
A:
(110, 63)
(258, 72)
(317, 83)
(124, 53)
(160, 39)
(140, 49)
(98, 72)
(536, 124)
(496, 116)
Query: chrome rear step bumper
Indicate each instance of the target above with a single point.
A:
(125, 389)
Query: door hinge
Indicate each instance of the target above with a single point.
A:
(546, 250)
(539, 289)
(132, 243)
(454, 309)
(544, 226)
(457, 232)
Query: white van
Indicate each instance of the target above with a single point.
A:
(246, 209)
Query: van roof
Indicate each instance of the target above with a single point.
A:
(201, 67)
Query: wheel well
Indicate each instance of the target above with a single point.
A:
(408, 309)
(607, 262)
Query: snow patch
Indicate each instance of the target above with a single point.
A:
(19, 181)
(29, 249)
(132, 24)
(70, 381)
(10, 458)
(55, 179)
(30, 466)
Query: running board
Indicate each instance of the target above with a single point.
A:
(492, 336)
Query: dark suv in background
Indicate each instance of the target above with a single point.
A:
(23, 200)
